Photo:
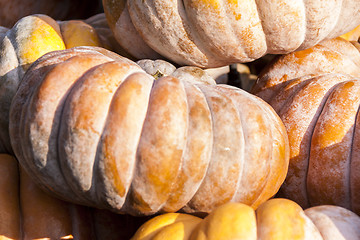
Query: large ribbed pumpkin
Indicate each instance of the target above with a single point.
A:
(14, 10)
(95, 129)
(26, 212)
(30, 38)
(211, 33)
(276, 219)
(316, 92)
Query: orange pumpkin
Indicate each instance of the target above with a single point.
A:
(274, 220)
(30, 38)
(316, 94)
(26, 212)
(95, 129)
(217, 32)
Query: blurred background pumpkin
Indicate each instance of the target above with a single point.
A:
(14, 10)
(26, 212)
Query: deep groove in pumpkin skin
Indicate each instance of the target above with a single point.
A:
(345, 196)
(266, 116)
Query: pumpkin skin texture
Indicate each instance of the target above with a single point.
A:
(30, 38)
(275, 219)
(217, 32)
(12, 11)
(316, 94)
(147, 145)
(26, 212)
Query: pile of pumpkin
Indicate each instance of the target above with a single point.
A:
(114, 127)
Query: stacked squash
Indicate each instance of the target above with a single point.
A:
(95, 128)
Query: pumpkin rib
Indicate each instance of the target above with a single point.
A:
(226, 153)
(117, 165)
(331, 149)
(156, 14)
(161, 146)
(259, 148)
(198, 36)
(196, 155)
(300, 154)
(280, 150)
(24, 90)
(48, 131)
(253, 45)
(80, 121)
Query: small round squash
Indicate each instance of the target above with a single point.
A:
(316, 92)
(96, 129)
(30, 38)
(276, 219)
(215, 33)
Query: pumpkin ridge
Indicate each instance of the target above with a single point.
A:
(225, 152)
(193, 151)
(261, 171)
(331, 149)
(110, 157)
(80, 122)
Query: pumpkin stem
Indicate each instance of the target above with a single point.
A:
(158, 74)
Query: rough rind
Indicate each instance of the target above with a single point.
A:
(184, 139)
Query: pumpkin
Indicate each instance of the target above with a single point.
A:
(14, 10)
(26, 212)
(96, 129)
(30, 38)
(218, 32)
(316, 94)
(275, 219)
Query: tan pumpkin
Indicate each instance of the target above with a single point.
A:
(26, 212)
(276, 219)
(95, 129)
(316, 94)
(14, 10)
(212, 33)
(30, 38)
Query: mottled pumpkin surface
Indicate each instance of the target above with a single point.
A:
(212, 33)
(96, 129)
(316, 94)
